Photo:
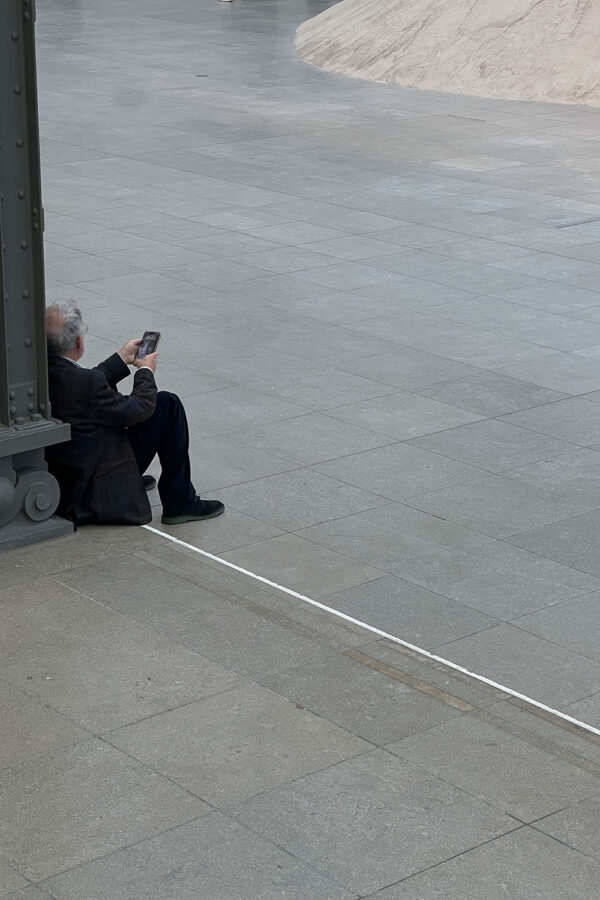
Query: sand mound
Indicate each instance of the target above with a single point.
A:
(518, 49)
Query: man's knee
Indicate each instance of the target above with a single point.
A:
(169, 405)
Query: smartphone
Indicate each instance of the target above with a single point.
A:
(149, 344)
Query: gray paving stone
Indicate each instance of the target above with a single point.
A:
(493, 445)
(85, 546)
(220, 460)
(520, 321)
(303, 565)
(502, 580)
(587, 710)
(10, 880)
(399, 471)
(394, 538)
(555, 269)
(31, 893)
(86, 269)
(576, 826)
(489, 394)
(213, 857)
(403, 415)
(228, 533)
(500, 506)
(311, 438)
(94, 665)
(571, 542)
(569, 373)
(410, 369)
(306, 382)
(300, 498)
(230, 748)
(411, 820)
(574, 419)
(93, 791)
(238, 405)
(346, 276)
(526, 663)
(489, 762)
(572, 623)
(30, 729)
(523, 865)
(254, 634)
(353, 247)
(554, 297)
(409, 612)
(388, 709)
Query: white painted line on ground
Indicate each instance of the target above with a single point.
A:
(378, 631)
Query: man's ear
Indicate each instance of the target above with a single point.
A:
(80, 344)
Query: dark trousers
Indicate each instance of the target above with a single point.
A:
(166, 433)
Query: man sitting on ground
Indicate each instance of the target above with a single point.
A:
(114, 438)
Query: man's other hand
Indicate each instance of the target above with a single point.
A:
(148, 361)
(128, 351)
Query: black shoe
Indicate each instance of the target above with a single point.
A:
(148, 482)
(198, 510)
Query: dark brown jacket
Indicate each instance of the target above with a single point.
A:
(97, 472)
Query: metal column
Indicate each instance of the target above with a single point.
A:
(28, 493)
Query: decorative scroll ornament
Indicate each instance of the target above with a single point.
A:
(35, 493)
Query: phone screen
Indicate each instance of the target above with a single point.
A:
(149, 343)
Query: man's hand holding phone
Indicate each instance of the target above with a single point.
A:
(147, 362)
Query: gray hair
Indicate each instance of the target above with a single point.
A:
(63, 326)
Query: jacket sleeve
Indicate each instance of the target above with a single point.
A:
(114, 369)
(108, 407)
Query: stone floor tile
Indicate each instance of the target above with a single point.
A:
(394, 538)
(490, 394)
(220, 461)
(233, 747)
(523, 865)
(526, 663)
(228, 532)
(410, 369)
(493, 445)
(572, 623)
(571, 542)
(409, 612)
(31, 893)
(232, 407)
(500, 506)
(554, 297)
(10, 880)
(411, 820)
(86, 268)
(494, 764)
(587, 710)
(575, 419)
(576, 826)
(388, 710)
(95, 665)
(502, 580)
(213, 857)
(570, 474)
(399, 471)
(31, 729)
(403, 415)
(299, 498)
(566, 372)
(92, 792)
(306, 566)
(311, 438)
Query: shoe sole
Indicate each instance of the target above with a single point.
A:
(181, 520)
